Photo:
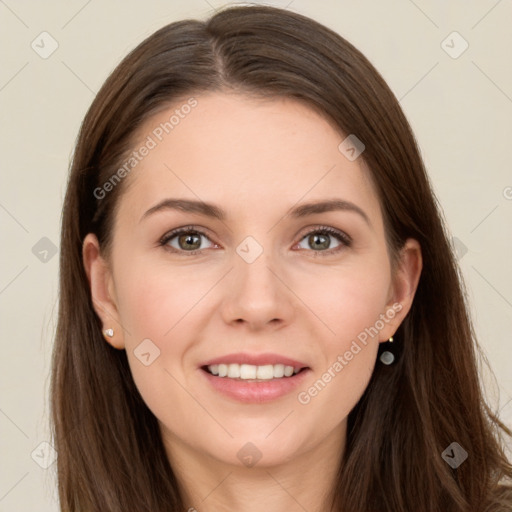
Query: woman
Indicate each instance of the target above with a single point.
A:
(259, 306)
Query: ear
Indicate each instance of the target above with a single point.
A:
(403, 287)
(102, 288)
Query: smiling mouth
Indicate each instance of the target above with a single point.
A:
(249, 372)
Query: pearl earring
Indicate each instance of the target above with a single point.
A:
(108, 333)
(387, 357)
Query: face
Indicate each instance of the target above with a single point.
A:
(264, 285)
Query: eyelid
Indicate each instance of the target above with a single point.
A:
(178, 231)
(327, 229)
(183, 229)
(342, 237)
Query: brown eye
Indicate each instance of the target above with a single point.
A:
(320, 240)
(189, 241)
(184, 240)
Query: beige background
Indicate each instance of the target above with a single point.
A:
(460, 109)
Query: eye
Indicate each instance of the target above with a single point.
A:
(186, 240)
(320, 239)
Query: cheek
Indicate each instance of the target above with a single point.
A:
(348, 300)
(339, 387)
(161, 311)
(349, 354)
(153, 300)
(153, 307)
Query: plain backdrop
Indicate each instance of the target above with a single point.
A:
(457, 99)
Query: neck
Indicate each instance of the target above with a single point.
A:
(304, 482)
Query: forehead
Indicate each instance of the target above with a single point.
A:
(245, 153)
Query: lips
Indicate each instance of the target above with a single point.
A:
(255, 360)
(255, 391)
(254, 378)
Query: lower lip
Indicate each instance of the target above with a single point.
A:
(255, 392)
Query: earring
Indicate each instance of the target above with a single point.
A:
(387, 357)
(108, 333)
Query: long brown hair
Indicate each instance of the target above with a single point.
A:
(110, 453)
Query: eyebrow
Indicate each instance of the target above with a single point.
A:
(213, 211)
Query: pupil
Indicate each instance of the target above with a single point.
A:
(324, 245)
(187, 240)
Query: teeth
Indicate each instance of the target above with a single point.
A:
(249, 371)
(279, 370)
(233, 371)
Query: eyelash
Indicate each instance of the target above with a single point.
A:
(343, 238)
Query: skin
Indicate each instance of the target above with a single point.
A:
(256, 159)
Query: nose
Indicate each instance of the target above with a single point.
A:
(256, 294)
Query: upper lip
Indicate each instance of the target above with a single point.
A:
(256, 360)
